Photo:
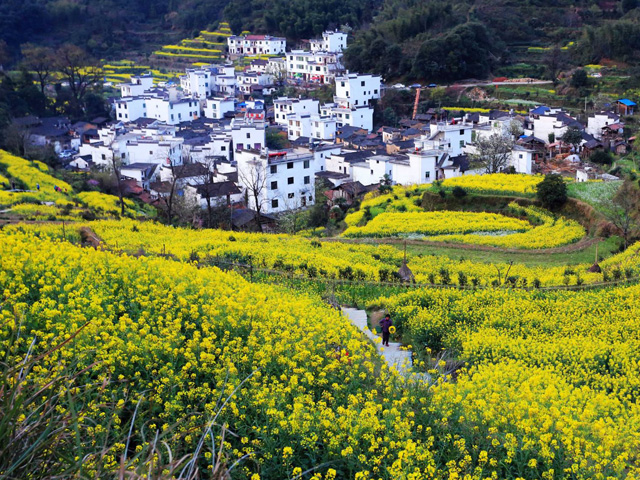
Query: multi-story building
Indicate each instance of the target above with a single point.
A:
(311, 126)
(256, 45)
(247, 81)
(282, 180)
(355, 90)
(361, 116)
(166, 106)
(284, 106)
(137, 86)
(248, 135)
(216, 107)
(313, 67)
(334, 42)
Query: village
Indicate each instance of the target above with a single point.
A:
(210, 139)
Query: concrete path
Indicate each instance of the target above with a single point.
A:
(393, 355)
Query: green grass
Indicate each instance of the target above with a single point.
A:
(595, 194)
(606, 248)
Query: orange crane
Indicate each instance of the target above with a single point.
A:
(415, 104)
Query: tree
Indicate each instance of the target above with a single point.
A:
(515, 129)
(389, 117)
(385, 184)
(628, 5)
(623, 211)
(554, 61)
(601, 157)
(572, 136)
(493, 153)
(253, 177)
(217, 213)
(116, 163)
(552, 191)
(80, 70)
(579, 79)
(15, 138)
(276, 139)
(40, 61)
(5, 57)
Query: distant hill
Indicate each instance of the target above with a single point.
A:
(413, 39)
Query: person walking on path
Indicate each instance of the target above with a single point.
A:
(385, 324)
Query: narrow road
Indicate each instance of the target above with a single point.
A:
(398, 359)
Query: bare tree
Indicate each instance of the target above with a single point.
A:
(254, 179)
(5, 56)
(16, 138)
(39, 60)
(624, 211)
(554, 62)
(493, 152)
(80, 70)
(217, 213)
(116, 164)
(290, 221)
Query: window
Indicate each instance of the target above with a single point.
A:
(461, 131)
(172, 116)
(520, 155)
(223, 148)
(290, 180)
(306, 164)
(274, 203)
(375, 92)
(307, 180)
(461, 143)
(290, 165)
(150, 152)
(122, 156)
(274, 185)
(310, 198)
(290, 195)
(427, 174)
(362, 83)
(104, 157)
(179, 115)
(371, 172)
(274, 169)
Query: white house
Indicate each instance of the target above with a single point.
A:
(247, 81)
(283, 180)
(311, 126)
(334, 42)
(283, 106)
(361, 116)
(522, 159)
(166, 107)
(354, 90)
(553, 123)
(138, 85)
(248, 135)
(313, 67)
(453, 137)
(256, 45)
(216, 107)
(597, 121)
(142, 173)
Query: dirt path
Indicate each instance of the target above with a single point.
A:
(574, 247)
(393, 355)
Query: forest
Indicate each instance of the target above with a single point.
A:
(399, 39)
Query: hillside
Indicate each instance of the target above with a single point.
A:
(396, 38)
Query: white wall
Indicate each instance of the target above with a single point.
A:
(357, 90)
(216, 107)
(284, 106)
